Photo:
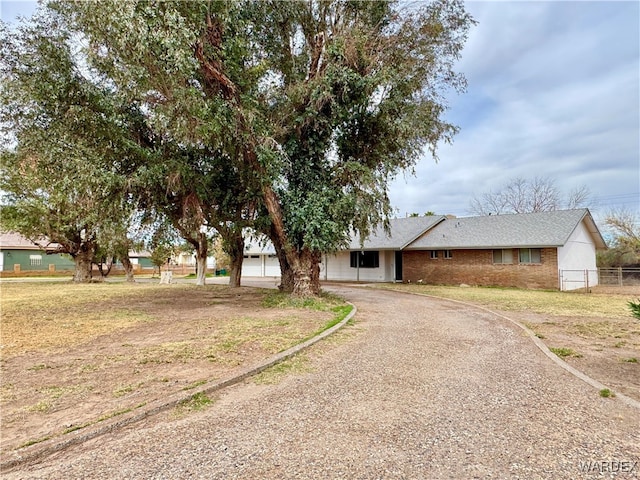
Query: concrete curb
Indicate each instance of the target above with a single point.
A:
(540, 344)
(56, 444)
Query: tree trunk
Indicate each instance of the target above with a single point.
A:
(298, 268)
(201, 259)
(235, 250)
(306, 273)
(84, 263)
(128, 267)
(105, 267)
(286, 272)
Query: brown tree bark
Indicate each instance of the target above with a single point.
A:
(128, 268)
(201, 247)
(235, 250)
(84, 263)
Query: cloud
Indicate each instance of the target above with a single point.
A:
(553, 91)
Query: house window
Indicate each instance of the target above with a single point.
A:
(503, 256)
(433, 254)
(365, 259)
(530, 255)
(447, 254)
(35, 260)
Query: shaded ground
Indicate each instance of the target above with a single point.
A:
(188, 335)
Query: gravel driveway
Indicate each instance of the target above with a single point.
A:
(424, 388)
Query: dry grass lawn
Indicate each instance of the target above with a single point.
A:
(74, 354)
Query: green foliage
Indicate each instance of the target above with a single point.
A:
(606, 393)
(564, 352)
(63, 167)
(292, 115)
(635, 308)
(624, 229)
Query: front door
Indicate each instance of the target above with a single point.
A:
(399, 266)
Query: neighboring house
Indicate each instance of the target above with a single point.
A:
(545, 250)
(17, 254)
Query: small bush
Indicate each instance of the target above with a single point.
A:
(606, 393)
(635, 308)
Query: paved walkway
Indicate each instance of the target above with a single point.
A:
(423, 388)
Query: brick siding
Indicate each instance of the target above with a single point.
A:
(476, 267)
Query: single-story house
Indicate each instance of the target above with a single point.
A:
(380, 257)
(18, 254)
(544, 250)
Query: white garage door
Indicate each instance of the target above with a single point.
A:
(252, 266)
(271, 266)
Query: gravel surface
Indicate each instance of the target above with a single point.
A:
(424, 388)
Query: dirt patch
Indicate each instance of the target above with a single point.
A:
(180, 337)
(606, 349)
(594, 332)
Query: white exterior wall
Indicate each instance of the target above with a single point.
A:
(271, 266)
(337, 267)
(260, 265)
(252, 266)
(576, 256)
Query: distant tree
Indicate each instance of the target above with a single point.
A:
(220, 256)
(624, 226)
(520, 195)
(160, 255)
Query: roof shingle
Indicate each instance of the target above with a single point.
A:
(540, 229)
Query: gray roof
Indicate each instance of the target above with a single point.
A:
(403, 231)
(541, 229)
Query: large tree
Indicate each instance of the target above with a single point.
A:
(65, 147)
(322, 101)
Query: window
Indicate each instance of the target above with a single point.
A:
(447, 254)
(365, 259)
(35, 260)
(503, 256)
(434, 254)
(530, 255)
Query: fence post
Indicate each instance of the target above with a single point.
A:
(586, 281)
(620, 276)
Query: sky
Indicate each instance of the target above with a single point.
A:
(553, 91)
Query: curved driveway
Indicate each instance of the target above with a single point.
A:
(422, 388)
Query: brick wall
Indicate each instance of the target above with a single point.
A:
(476, 267)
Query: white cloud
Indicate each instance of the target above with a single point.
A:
(553, 90)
